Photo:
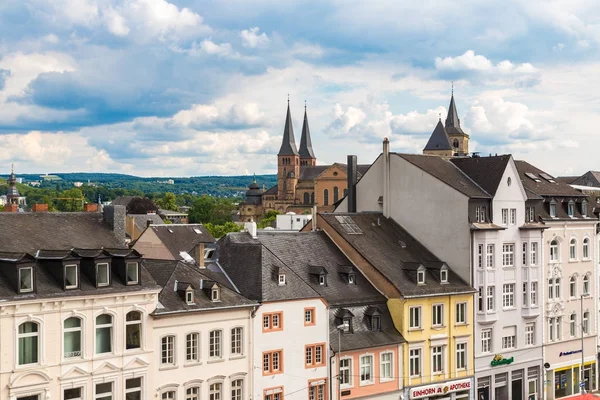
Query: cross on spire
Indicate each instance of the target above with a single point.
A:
(453, 87)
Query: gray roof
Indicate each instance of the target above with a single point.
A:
(288, 144)
(445, 170)
(123, 200)
(438, 139)
(306, 150)
(311, 172)
(590, 178)
(452, 120)
(272, 190)
(182, 237)
(487, 172)
(28, 232)
(141, 220)
(396, 254)
(171, 273)
(544, 187)
(362, 336)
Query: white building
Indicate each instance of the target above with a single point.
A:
(291, 221)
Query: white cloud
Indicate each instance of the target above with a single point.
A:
(469, 61)
(223, 49)
(414, 122)
(251, 38)
(115, 22)
(161, 18)
(345, 120)
(221, 114)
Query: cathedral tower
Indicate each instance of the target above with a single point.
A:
(458, 139)
(288, 162)
(307, 155)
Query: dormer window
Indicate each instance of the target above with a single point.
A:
(444, 275)
(584, 208)
(189, 296)
(351, 279)
(375, 323)
(25, 280)
(421, 275)
(102, 275)
(322, 280)
(132, 273)
(71, 278)
(553, 208)
(281, 279)
(215, 294)
(348, 325)
(571, 208)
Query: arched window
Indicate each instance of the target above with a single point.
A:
(72, 337)
(306, 198)
(455, 143)
(104, 328)
(554, 250)
(312, 198)
(586, 285)
(237, 389)
(326, 197)
(586, 248)
(133, 330)
(336, 194)
(572, 287)
(573, 249)
(29, 343)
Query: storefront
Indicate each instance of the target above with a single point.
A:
(509, 381)
(460, 389)
(567, 382)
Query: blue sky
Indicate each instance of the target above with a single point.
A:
(199, 87)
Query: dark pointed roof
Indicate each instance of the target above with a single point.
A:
(288, 145)
(306, 150)
(452, 120)
(12, 185)
(439, 139)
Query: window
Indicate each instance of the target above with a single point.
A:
(486, 341)
(480, 299)
(386, 370)
(29, 343)
(508, 254)
(557, 288)
(530, 214)
(366, 369)
(437, 356)
(525, 296)
(461, 356)
(513, 216)
(553, 288)
(71, 277)
(584, 208)
(505, 216)
(421, 276)
(375, 323)
(214, 391)
(237, 337)
(133, 330)
(132, 273)
(571, 208)
(273, 394)
(414, 317)
(586, 248)
(553, 209)
(104, 327)
(480, 256)
(351, 279)
(524, 254)
(189, 296)
(272, 321)
(490, 256)
(482, 215)
(554, 328)
(133, 389)
(104, 391)
(25, 280)
(102, 275)
(477, 213)
(573, 249)
(215, 344)
(72, 337)
(438, 315)
(336, 194)
(573, 325)
(306, 198)
(314, 355)
(444, 276)
(585, 324)
(72, 394)
(322, 280)
(192, 341)
(346, 371)
(572, 287)
(192, 393)
(414, 361)
(215, 294)
(281, 279)
(316, 391)
(326, 197)
(167, 355)
(461, 313)
(554, 251)
(586, 285)
(530, 334)
(490, 298)
(309, 316)
(534, 249)
(533, 294)
(508, 342)
(508, 295)
(271, 362)
(237, 389)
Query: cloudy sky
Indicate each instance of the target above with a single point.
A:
(199, 87)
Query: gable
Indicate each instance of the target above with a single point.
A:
(74, 373)
(27, 379)
(106, 368)
(150, 246)
(136, 363)
(335, 171)
(514, 192)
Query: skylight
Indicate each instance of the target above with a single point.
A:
(198, 231)
(348, 225)
(547, 177)
(532, 177)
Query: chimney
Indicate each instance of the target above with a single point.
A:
(313, 222)
(11, 208)
(90, 207)
(114, 216)
(149, 222)
(352, 177)
(39, 208)
(386, 177)
(199, 254)
(250, 227)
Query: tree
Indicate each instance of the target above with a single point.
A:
(268, 219)
(168, 202)
(70, 200)
(218, 231)
(207, 209)
(141, 205)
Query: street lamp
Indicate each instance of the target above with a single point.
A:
(340, 328)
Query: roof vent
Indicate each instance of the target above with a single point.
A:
(170, 231)
(402, 244)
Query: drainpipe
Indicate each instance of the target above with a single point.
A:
(333, 354)
(386, 177)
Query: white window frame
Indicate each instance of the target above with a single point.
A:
(106, 395)
(70, 330)
(107, 276)
(421, 276)
(363, 364)
(81, 391)
(237, 389)
(31, 280)
(215, 344)
(534, 253)
(554, 251)
(192, 347)
(168, 355)
(437, 311)
(572, 287)
(509, 342)
(343, 369)
(414, 360)
(573, 249)
(480, 256)
(486, 340)
(461, 313)
(414, 313)
(137, 273)
(111, 325)
(490, 298)
(135, 322)
(508, 295)
(444, 275)
(437, 352)
(508, 255)
(585, 285)
(585, 322)
(382, 366)
(37, 334)
(490, 261)
(573, 325)
(139, 389)
(525, 254)
(530, 334)
(192, 395)
(513, 216)
(281, 279)
(237, 341)
(585, 251)
(461, 356)
(76, 285)
(533, 294)
(215, 391)
(505, 216)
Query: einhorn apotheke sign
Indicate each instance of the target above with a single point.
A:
(440, 389)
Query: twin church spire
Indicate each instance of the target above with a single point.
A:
(288, 144)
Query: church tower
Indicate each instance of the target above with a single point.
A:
(458, 139)
(307, 155)
(12, 195)
(288, 162)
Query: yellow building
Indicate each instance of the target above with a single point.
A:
(431, 306)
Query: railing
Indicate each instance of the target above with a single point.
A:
(72, 354)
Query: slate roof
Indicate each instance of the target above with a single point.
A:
(487, 172)
(568, 179)
(590, 178)
(306, 150)
(272, 190)
(396, 254)
(182, 237)
(29, 232)
(288, 144)
(445, 170)
(167, 272)
(311, 172)
(362, 336)
(452, 120)
(141, 220)
(123, 200)
(544, 187)
(438, 139)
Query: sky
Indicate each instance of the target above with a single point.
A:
(200, 87)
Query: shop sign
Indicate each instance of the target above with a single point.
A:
(440, 389)
(568, 353)
(500, 360)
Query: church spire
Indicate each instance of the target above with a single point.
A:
(306, 150)
(452, 121)
(288, 145)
